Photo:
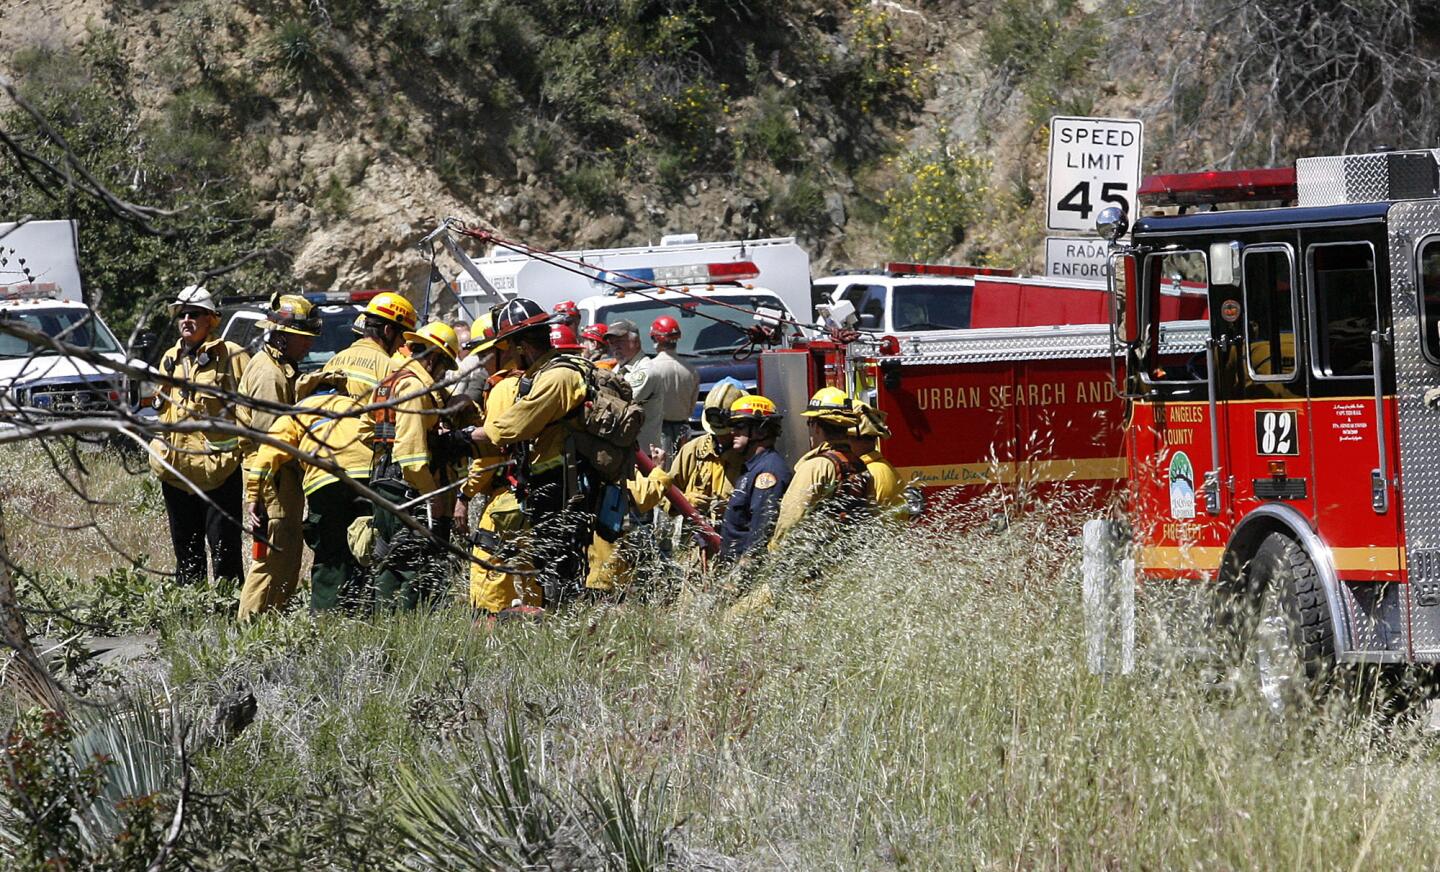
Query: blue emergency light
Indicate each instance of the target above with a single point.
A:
(679, 274)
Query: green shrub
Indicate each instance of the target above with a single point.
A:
(771, 132)
(335, 198)
(594, 185)
(927, 212)
(878, 75)
(1047, 48)
(297, 47)
(801, 203)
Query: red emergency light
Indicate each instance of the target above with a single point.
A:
(1228, 186)
(896, 268)
(733, 272)
(366, 296)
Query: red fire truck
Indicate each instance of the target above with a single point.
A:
(1286, 444)
(1025, 398)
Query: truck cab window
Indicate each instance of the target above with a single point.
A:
(1269, 313)
(868, 300)
(1176, 292)
(1429, 269)
(1342, 280)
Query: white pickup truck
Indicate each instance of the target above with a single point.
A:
(40, 291)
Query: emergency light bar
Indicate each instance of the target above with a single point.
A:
(342, 297)
(682, 274)
(1229, 186)
(895, 268)
(30, 291)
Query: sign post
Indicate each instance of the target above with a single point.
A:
(1094, 163)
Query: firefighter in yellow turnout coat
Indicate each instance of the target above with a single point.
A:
(198, 469)
(359, 369)
(706, 468)
(290, 330)
(493, 590)
(408, 565)
(889, 489)
(330, 427)
(555, 490)
(831, 469)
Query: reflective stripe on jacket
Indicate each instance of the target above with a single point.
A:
(205, 459)
(344, 441)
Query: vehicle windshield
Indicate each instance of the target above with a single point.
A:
(335, 335)
(699, 335)
(932, 307)
(74, 326)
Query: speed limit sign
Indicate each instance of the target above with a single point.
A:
(1094, 163)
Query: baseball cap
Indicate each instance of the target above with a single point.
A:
(621, 328)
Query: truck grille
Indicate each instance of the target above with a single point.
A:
(70, 398)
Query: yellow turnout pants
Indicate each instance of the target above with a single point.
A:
(272, 579)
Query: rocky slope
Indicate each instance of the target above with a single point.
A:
(339, 132)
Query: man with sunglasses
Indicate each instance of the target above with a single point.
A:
(199, 468)
(291, 328)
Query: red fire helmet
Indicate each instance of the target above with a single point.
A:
(665, 327)
(562, 337)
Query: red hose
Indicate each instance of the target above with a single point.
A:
(709, 539)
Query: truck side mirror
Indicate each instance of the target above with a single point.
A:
(142, 346)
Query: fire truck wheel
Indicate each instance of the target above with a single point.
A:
(1293, 644)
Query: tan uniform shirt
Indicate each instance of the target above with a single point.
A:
(205, 459)
(706, 475)
(666, 387)
(677, 383)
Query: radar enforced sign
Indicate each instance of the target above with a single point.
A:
(1094, 163)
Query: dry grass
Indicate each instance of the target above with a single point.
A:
(915, 700)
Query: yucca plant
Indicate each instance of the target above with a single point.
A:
(95, 788)
(506, 819)
(633, 833)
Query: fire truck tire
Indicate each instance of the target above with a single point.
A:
(1293, 643)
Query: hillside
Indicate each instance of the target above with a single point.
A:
(315, 142)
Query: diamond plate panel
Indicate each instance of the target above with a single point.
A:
(1022, 343)
(1418, 431)
(1366, 178)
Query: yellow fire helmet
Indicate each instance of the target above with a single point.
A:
(753, 407)
(393, 308)
(715, 415)
(833, 406)
(358, 328)
(441, 336)
(872, 423)
(482, 333)
(291, 313)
